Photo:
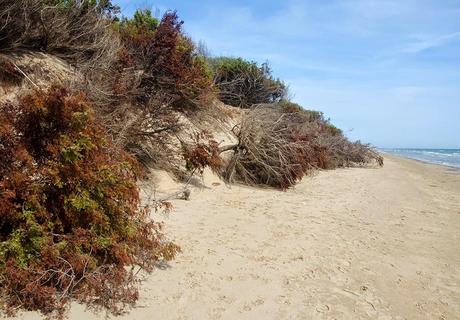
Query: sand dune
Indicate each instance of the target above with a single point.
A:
(344, 244)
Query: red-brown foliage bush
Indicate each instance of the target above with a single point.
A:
(157, 77)
(70, 215)
(203, 152)
(168, 60)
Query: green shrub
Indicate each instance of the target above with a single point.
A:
(242, 83)
(308, 115)
(142, 21)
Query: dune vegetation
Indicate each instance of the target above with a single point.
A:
(72, 226)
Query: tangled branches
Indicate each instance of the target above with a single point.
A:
(343, 153)
(279, 143)
(77, 31)
(265, 153)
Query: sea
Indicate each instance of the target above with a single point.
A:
(446, 157)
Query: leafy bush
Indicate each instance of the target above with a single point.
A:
(306, 115)
(142, 21)
(242, 83)
(173, 65)
(137, 35)
(70, 215)
(166, 77)
(168, 59)
(202, 152)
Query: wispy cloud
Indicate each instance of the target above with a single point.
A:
(431, 42)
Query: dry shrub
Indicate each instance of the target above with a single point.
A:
(145, 130)
(328, 147)
(70, 215)
(9, 74)
(77, 31)
(266, 153)
(279, 143)
(343, 153)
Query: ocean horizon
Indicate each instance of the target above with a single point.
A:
(445, 157)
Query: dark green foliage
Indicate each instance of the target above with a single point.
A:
(242, 83)
(142, 21)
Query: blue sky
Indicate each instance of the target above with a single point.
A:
(387, 72)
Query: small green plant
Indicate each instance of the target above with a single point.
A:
(142, 21)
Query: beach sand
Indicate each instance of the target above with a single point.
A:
(351, 243)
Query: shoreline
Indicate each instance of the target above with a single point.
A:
(400, 157)
(388, 154)
(354, 243)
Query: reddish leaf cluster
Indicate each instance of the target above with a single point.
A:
(70, 217)
(204, 152)
(168, 60)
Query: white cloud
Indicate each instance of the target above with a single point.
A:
(431, 42)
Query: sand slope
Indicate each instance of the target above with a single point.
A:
(344, 244)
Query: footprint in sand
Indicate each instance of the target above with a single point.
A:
(323, 308)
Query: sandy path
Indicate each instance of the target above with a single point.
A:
(344, 244)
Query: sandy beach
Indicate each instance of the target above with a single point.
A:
(351, 243)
